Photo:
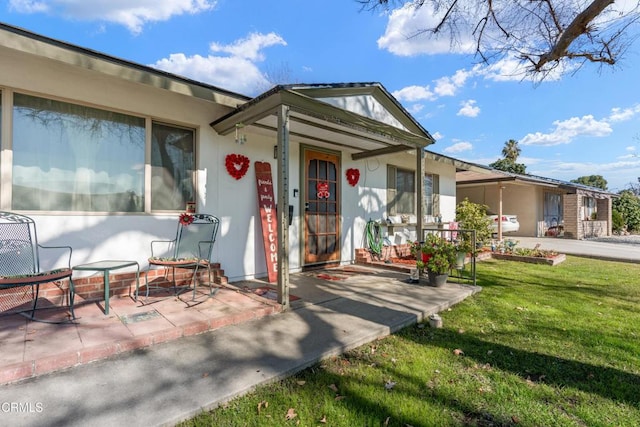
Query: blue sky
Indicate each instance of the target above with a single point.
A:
(583, 123)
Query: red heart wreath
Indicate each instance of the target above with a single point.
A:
(353, 176)
(237, 165)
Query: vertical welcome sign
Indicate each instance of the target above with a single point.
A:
(267, 206)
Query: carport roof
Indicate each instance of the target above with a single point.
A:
(361, 117)
(472, 173)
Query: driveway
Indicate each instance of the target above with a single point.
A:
(614, 248)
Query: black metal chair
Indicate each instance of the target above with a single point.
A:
(20, 264)
(191, 249)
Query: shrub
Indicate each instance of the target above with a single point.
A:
(473, 216)
(617, 222)
(628, 205)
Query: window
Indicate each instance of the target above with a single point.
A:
(401, 190)
(69, 157)
(589, 208)
(172, 167)
(432, 194)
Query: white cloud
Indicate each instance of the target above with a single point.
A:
(630, 148)
(237, 72)
(28, 6)
(132, 14)
(403, 33)
(469, 109)
(414, 93)
(458, 147)
(620, 114)
(437, 135)
(448, 86)
(415, 108)
(565, 131)
(249, 47)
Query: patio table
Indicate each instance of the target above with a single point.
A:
(106, 266)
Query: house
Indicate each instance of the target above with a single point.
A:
(105, 154)
(544, 206)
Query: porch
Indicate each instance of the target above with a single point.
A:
(30, 349)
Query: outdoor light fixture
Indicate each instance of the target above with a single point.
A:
(240, 139)
(275, 151)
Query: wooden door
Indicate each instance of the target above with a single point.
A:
(322, 207)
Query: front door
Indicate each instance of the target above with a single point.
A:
(322, 207)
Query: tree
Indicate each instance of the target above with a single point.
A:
(511, 152)
(507, 165)
(543, 34)
(628, 205)
(596, 181)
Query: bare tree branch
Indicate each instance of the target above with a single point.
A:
(543, 34)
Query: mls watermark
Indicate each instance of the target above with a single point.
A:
(21, 407)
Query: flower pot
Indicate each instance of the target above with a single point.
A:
(460, 257)
(436, 279)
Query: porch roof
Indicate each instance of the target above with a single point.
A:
(360, 117)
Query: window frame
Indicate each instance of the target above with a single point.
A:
(432, 201)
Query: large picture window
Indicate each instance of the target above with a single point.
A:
(69, 157)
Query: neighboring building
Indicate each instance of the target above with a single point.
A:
(544, 206)
(105, 154)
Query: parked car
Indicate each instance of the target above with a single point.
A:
(510, 223)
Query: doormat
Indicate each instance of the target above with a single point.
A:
(326, 276)
(270, 293)
(139, 317)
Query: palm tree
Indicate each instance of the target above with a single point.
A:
(511, 151)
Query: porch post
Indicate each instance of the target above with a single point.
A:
(283, 206)
(501, 187)
(420, 192)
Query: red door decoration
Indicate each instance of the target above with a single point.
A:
(323, 189)
(353, 176)
(237, 165)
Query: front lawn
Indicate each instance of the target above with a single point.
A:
(539, 346)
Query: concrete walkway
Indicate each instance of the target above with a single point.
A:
(338, 310)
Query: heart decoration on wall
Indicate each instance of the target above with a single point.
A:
(353, 176)
(237, 165)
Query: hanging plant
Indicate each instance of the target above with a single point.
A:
(237, 165)
(353, 176)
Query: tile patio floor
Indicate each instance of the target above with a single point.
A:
(29, 348)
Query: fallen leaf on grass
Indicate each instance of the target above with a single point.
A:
(291, 414)
(458, 352)
(389, 385)
(301, 382)
(386, 422)
(338, 398)
(264, 404)
(333, 388)
(323, 420)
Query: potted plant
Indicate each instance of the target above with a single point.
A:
(441, 261)
(463, 248)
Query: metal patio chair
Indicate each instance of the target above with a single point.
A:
(191, 249)
(20, 265)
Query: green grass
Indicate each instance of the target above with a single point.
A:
(539, 346)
